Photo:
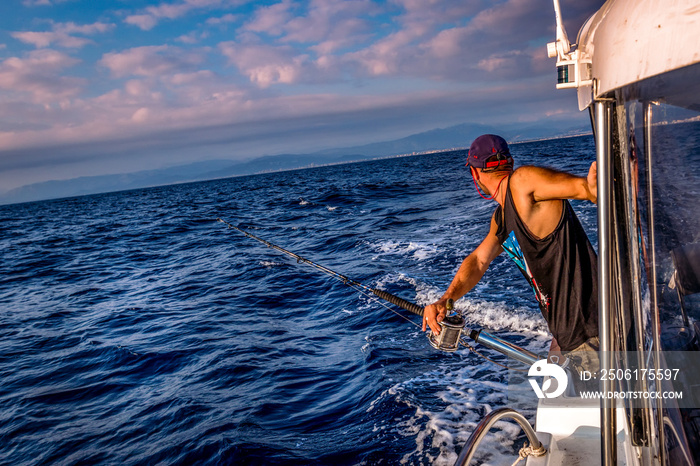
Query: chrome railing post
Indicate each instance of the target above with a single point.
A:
(603, 121)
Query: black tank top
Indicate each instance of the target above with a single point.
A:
(562, 269)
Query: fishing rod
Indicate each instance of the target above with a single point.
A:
(453, 326)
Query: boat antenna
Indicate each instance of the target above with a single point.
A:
(453, 326)
(562, 44)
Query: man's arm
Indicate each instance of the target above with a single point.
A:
(544, 184)
(468, 275)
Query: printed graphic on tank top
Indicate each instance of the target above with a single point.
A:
(511, 246)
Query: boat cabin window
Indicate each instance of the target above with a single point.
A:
(658, 221)
(656, 217)
(673, 186)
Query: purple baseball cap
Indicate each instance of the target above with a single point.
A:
(486, 146)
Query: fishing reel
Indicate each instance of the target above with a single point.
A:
(450, 332)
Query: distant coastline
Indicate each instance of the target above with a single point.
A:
(419, 144)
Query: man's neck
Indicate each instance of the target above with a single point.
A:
(500, 186)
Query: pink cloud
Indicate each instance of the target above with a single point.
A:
(448, 43)
(228, 18)
(153, 61)
(504, 62)
(165, 92)
(330, 20)
(144, 22)
(265, 65)
(271, 19)
(387, 56)
(328, 24)
(38, 75)
(45, 39)
(458, 41)
(42, 2)
(149, 17)
(62, 34)
(437, 11)
(87, 29)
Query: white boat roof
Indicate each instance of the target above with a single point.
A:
(630, 41)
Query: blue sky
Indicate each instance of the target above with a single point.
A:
(96, 87)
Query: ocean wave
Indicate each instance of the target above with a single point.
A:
(413, 249)
(271, 264)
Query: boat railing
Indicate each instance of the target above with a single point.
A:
(535, 449)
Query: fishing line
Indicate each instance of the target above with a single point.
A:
(375, 300)
(453, 326)
(473, 350)
(402, 303)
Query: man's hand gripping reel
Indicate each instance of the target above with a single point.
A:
(451, 332)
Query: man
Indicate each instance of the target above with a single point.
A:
(535, 224)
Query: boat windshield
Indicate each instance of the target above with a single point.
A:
(663, 147)
(656, 191)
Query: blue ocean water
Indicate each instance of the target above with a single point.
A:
(136, 329)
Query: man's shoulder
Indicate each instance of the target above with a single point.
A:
(522, 178)
(527, 178)
(525, 184)
(529, 171)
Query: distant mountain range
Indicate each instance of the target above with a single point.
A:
(433, 140)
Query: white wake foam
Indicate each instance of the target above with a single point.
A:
(442, 425)
(414, 249)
